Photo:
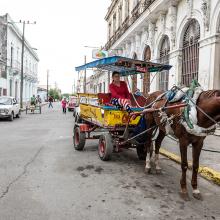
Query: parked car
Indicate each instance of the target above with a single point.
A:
(72, 103)
(9, 108)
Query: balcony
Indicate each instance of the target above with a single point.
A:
(138, 10)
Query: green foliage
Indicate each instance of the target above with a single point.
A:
(55, 93)
(67, 95)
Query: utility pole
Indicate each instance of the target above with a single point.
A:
(85, 77)
(22, 68)
(22, 62)
(47, 83)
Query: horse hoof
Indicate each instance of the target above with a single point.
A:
(158, 170)
(147, 170)
(197, 196)
(184, 196)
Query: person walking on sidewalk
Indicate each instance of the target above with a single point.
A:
(50, 102)
(64, 104)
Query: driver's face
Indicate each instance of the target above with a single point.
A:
(116, 78)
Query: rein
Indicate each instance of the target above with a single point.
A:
(202, 111)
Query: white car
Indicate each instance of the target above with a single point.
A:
(9, 108)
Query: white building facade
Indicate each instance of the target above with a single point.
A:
(182, 33)
(12, 45)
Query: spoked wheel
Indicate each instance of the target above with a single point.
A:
(79, 139)
(141, 152)
(105, 147)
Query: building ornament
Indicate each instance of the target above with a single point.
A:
(163, 21)
(151, 29)
(206, 13)
(189, 8)
(173, 18)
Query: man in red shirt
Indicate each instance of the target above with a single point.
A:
(120, 96)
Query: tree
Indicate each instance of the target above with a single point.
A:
(55, 93)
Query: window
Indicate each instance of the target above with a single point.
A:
(190, 53)
(12, 55)
(109, 30)
(10, 86)
(114, 23)
(119, 16)
(146, 78)
(164, 58)
(4, 91)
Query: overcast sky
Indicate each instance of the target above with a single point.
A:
(63, 28)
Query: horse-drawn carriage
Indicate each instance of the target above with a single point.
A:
(188, 113)
(36, 108)
(96, 118)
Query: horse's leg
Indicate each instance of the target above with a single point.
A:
(196, 150)
(184, 165)
(149, 150)
(158, 142)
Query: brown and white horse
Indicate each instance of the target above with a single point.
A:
(209, 102)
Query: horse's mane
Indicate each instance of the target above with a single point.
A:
(211, 93)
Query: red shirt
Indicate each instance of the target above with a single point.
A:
(119, 91)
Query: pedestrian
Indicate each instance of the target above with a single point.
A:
(64, 103)
(50, 102)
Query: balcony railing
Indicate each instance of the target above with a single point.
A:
(138, 10)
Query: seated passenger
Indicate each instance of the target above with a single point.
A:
(120, 96)
(33, 100)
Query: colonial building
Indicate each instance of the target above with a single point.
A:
(10, 62)
(182, 33)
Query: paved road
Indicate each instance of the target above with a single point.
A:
(43, 177)
(209, 159)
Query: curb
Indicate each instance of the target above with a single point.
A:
(204, 171)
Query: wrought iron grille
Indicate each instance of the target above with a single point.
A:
(164, 58)
(190, 53)
(146, 78)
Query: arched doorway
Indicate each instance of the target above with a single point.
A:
(164, 58)
(190, 53)
(134, 77)
(146, 78)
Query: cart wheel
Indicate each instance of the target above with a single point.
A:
(105, 147)
(141, 152)
(79, 139)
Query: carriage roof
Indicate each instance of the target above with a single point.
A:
(125, 66)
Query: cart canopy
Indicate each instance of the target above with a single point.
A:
(125, 66)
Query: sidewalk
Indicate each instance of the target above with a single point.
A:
(217, 132)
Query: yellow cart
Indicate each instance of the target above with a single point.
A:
(95, 118)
